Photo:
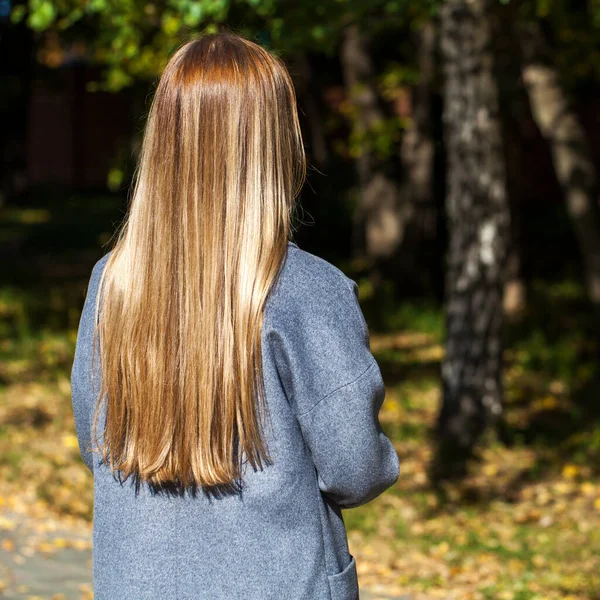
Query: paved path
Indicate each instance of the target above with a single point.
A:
(44, 560)
(41, 558)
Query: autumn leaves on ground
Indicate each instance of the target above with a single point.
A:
(523, 525)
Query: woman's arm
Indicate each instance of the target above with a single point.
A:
(335, 387)
(354, 458)
(83, 389)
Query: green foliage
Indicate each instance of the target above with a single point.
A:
(18, 14)
(425, 317)
(136, 37)
(556, 349)
(558, 358)
(42, 14)
(381, 138)
(395, 76)
(132, 39)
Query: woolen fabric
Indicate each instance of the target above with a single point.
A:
(282, 536)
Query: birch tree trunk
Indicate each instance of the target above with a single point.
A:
(568, 142)
(478, 221)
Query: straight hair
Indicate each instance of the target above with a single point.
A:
(185, 286)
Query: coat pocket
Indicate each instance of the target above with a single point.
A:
(344, 585)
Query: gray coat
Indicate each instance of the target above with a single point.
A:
(283, 535)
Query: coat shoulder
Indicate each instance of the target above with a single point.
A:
(307, 278)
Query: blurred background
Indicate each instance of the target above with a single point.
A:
(454, 149)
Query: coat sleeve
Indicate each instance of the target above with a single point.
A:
(335, 387)
(84, 390)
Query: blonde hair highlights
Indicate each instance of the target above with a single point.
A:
(185, 286)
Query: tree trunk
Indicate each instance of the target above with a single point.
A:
(568, 142)
(417, 142)
(513, 112)
(417, 155)
(478, 222)
(313, 114)
(515, 293)
(380, 217)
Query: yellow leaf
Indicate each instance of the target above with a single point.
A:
(570, 471)
(7, 524)
(8, 545)
(549, 402)
(443, 548)
(587, 488)
(538, 560)
(45, 547)
(515, 565)
(70, 441)
(597, 504)
(563, 487)
(490, 470)
(81, 544)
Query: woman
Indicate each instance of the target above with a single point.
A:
(224, 394)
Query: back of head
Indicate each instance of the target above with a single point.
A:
(185, 286)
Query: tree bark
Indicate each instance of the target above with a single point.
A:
(513, 113)
(515, 292)
(568, 142)
(380, 217)
(478, 221)
(417, 155)
(417, 149)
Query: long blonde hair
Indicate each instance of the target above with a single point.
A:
(185, 286)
